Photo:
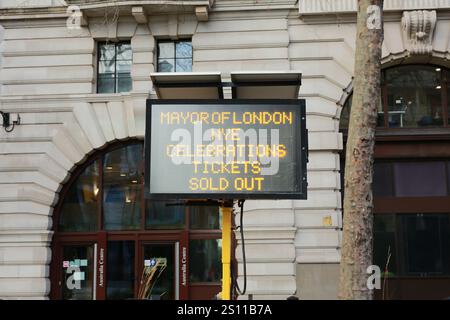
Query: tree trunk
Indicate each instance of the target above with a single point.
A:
(356, 253)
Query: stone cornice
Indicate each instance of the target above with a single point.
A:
(152, 7)
(106, 3)
(90, 8)
(314, 7)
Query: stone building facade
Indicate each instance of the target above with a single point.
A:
(48, 75)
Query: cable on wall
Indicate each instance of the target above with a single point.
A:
(244, 260)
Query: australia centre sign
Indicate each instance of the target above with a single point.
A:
(226, 149)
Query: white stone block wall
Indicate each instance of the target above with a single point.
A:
(325, 54)
(2, 31)
(48, 76)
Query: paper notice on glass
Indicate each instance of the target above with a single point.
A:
(83, 263)
(66, 264)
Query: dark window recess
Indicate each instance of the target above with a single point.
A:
(427, 239)
(114, 67)
(385, 247)
(418, 244)
(175, 56)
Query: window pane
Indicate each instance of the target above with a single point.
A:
(164, 215)
(204, 217)
(120, 281)
(427, 239)
(345, 114)
(383, 185)
(123, 67)
(107, 51)
(166, 65)
(384, 246)
(414, 96)
(106, 66)
(184, 49)
(122, 188)
(81, 203)
(159, 258)
(124, 52)
(114, 70)
(415, 179)
(380, 109)
(78, 272)
(205, 260)
(166, 50)
(183, 65)
(124, 83)
(106, 83)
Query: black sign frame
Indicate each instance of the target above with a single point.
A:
(301, 154)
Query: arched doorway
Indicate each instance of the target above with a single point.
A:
(411, 183)
(106, 234)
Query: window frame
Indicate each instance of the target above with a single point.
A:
(385, 130)
(116, 73)
(175, 42)
(99, 157)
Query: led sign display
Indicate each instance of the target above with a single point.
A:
(226, 149)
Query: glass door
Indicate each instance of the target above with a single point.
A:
(78, 272)
(120, 270)
(159, 272)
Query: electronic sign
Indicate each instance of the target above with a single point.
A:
(226, 149)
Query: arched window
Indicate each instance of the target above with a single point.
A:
(106, 233)
(411, 183)
(413, 96)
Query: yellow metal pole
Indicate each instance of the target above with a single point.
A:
(226, 252)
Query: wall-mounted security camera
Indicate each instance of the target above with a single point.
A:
(7, 125)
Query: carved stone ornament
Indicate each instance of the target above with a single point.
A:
(418, 29)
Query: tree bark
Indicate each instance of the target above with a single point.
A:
(356, 254)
